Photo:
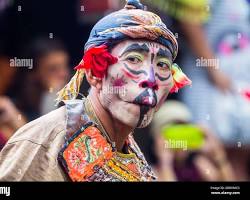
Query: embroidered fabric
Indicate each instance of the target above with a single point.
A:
(88, 156)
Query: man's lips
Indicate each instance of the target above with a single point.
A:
(140, 104)
(146, 98)
(148, 101)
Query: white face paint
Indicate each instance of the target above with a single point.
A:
(137, 85)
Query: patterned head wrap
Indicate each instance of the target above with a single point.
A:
(132, 22)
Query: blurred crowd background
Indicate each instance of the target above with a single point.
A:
(201, 133)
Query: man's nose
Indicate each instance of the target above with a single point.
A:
(150, 81)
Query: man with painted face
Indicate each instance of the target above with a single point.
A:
(128, 61)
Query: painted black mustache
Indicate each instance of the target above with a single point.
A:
(146, 98)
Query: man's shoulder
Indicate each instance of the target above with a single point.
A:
(43, 130)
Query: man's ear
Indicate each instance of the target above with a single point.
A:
(93, 81)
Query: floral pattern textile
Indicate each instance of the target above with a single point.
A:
(88, 156)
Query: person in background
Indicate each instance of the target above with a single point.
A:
(201, 157)
(49, 73)
(7, 73)
(10, 119)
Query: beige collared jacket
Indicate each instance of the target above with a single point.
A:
(31, 154)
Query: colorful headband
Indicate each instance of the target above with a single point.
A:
(131, 22)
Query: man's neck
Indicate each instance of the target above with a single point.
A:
(117, 131)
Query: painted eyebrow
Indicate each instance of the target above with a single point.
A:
(164, 53)
(136, 47)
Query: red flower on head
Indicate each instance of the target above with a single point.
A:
(97, 59)
(246, 94)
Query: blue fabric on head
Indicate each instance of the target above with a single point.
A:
(130, 23)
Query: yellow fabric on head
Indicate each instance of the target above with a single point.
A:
(71, 90)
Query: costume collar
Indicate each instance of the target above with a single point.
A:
(76, 116)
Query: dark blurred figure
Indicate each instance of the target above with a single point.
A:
(36, 86)
(7, 73)
(10, 117)
(10, 120)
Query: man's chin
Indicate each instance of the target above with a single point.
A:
(146, 116)
(129, 114)
(142, 110)
(125, 112)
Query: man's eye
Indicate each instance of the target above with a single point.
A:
(163, 65)
(133, 60)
